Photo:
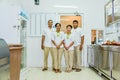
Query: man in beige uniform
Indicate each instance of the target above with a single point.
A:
(69, 48)
(57, 40)
(46, 45)
(78, 46)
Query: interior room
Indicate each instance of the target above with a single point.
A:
(24, 30)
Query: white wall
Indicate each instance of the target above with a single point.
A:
(9, 18)
(93, 18)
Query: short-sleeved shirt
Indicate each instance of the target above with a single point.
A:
(58, 37)
(78, 34)
(47, 32)
(68, 39)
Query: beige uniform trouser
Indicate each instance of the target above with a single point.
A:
(77, 57)
(46, 53)
(69, 59)
(57, 57)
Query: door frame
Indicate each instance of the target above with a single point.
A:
(83, 63)
(74, 14)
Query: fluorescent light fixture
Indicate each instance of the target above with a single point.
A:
(63, 6)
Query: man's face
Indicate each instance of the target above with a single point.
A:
(50, 23)
(68, 29)
(75, 24)
(58, 27)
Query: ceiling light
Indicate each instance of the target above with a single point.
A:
(62, 6)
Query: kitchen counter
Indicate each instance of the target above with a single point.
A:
(106, 59)
(15, 61)
(15, 45)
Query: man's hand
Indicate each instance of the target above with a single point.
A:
(42, 47)
(81, 47)
(66, 48)
(58, 47)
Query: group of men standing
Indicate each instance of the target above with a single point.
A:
(58, 43)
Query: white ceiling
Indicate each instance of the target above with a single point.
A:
(45, 5)
(49, 4)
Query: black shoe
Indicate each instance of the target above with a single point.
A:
(44, 69)
(73, 68)
(78, 70)
(54, 69)
(59, 71)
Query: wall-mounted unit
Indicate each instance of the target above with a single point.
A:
(112, 12)
(36, 2)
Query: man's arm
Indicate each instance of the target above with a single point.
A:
(61, 43)
(82, 42)
(64, 45)
(54, 43)
(42, 42)
(70, 45)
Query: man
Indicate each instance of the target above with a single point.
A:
(46, 45)
(69, 48)
(57, 40)
(78, 46)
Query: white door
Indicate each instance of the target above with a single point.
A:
(37, 23)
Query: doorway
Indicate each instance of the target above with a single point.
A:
(68, 20)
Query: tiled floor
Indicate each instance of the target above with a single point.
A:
(116, 73)
(4, 75)
(37, 74)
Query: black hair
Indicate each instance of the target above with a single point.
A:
(75, 21)
(50, 20)
(57, 24)
(69, 26)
